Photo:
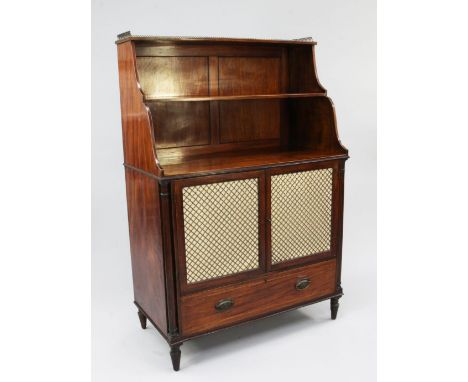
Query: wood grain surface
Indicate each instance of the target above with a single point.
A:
(256, 297)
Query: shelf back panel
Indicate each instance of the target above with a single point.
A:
(249, 75)
(179, 124)
(173, 76)
(242, 121)
(196, 70)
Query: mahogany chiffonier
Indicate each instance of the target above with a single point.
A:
(235, 180)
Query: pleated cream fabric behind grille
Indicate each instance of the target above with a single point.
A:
(221, 229)
(301, 210)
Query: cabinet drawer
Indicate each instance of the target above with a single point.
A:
(216, 308)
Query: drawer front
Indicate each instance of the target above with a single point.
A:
(216, 308)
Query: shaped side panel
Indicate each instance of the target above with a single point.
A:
(146, 246)
(137, 129)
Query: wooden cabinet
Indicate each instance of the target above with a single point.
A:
(235, 181)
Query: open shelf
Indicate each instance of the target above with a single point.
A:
(235, 97)
(188, 166)
(216, 108)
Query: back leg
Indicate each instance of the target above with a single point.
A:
(142, 318)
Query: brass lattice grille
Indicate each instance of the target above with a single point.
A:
(221, 229)
(301, 209)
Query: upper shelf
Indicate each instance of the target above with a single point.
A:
(234, 97)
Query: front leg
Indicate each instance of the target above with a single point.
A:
(175, 356)
(334, 305)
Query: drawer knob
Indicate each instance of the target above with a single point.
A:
(302, 284)
(223, 305)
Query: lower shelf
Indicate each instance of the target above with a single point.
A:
(212, 309)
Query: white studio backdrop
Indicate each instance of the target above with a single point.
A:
(291, 344)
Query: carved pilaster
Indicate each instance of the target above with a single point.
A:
(339, 289)
(169, 261)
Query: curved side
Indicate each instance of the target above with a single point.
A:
(303, 71)
(337, 135)
(313, 126)
(314, 64)
(137, 130)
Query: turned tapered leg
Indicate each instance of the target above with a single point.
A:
(142, 318)
(175, 356)
(334, 305)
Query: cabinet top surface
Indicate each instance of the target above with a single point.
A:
(250, 159)
(127, 36)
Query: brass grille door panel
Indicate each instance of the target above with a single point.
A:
(301, 214)
(221, 229)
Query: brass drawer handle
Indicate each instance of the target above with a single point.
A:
(223, 305)
(302, 284)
